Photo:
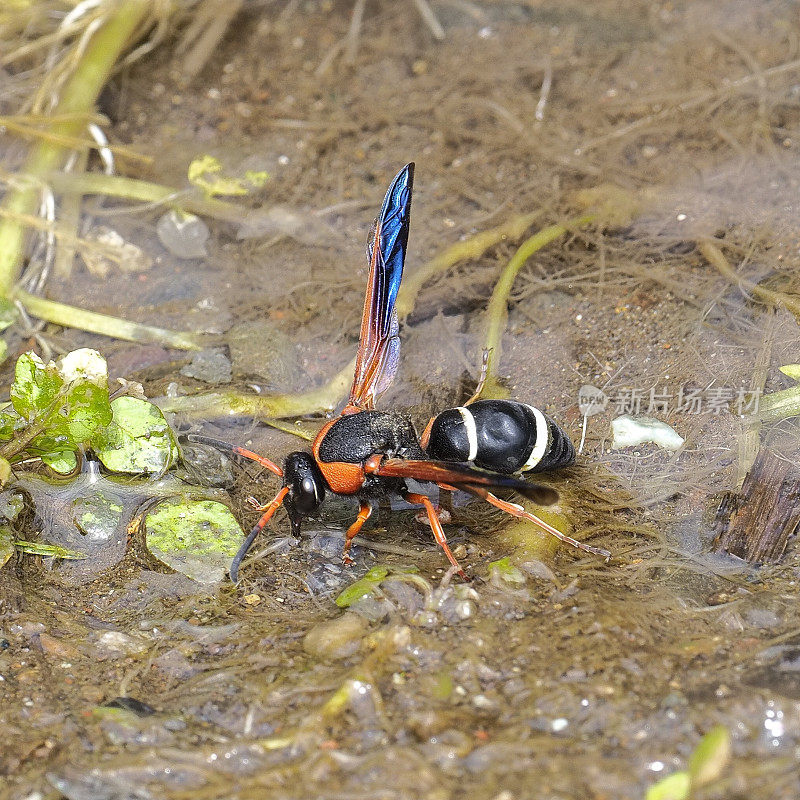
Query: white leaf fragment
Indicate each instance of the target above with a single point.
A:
(629, 432)
(84, 364)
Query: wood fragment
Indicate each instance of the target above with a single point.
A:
(755, 524)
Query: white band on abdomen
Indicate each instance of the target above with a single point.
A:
(472, 431)
(542, 438)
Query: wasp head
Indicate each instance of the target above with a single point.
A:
(306, 486)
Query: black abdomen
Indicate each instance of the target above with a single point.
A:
(500, 435)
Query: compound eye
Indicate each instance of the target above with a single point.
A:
(306, 497)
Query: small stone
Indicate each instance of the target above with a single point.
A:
(252, 599)
(338, 638)
(115, 644)
(210, 366)
(174, 664)
(538, 569)
(184, 235)
(58, 648)
(92, 694)
(113, 253)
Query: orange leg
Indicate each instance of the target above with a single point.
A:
(239, 451)
(518, 511)
(261, 460)
(268, 510)
(363, 515)
(436, 527)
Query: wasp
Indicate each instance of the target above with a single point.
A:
(369, 453)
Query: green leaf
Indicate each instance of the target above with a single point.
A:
(8, 313)
(256, 178)
(36, 385)
(206, 173)
(6, 544)
(673, 787)
(506, 570)
(10, 423)
(63, 463)
(196, 537)
(710, 756)
(362, 587)
(791, 370)
(84, 413)
(138, 439)
(48, 550)
(86, 409)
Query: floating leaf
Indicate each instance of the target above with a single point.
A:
(673, 787)
(183, 234)
(197, 538)
(257, 179)
(97, 516)
(11, 504)
(444, 685)
(710, 756)
(85, 410)
(138, 439)
(48, 550)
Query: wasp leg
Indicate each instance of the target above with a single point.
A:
(517, 510)
(269, 510)
(363, 515)
(436, 527)
(239, 451)
(482, 379)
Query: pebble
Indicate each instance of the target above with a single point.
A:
(115, 644)
(58, 648)
(337, 638)
(184, 235)
(174, 664)
(210, 366)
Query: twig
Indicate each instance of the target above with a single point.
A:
(429, 18)
(497, 310)
(688, 105)
(471, 248)
(547, 83)
(263, 406)
(72, 317)
(77, 97)
(716, 258)
(354, 32)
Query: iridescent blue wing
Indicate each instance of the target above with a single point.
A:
(379, 345)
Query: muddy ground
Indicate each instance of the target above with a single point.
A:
(575, 679)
